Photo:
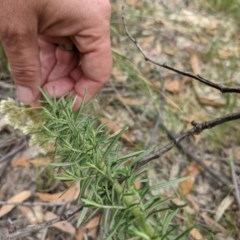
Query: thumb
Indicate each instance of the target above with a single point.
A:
(23, 56)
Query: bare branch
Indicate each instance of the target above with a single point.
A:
(197, 77)
(196, 129)
(218, 177)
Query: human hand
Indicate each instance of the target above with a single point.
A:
(33, 33)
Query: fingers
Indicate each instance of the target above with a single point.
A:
(94, 74)
(23, 55)
(57, 64)
(18, 34)
(59, 87)
(47, 59)
(96, 62)
(57, 70)
(66, 61)
(86, 89)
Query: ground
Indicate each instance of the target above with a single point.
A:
(201, 38)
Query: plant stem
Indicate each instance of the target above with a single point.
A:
(140, 216)
(129, 202)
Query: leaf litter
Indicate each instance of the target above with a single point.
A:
(188, 37)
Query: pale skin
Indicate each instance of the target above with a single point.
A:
(33, 32)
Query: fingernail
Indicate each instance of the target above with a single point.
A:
(24, 94)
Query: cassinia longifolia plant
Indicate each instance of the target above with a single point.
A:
(85, 153)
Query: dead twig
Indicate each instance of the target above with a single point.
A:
(197, 77)
(219, 178)
(196, 129)
(32, 204)
(35, 228)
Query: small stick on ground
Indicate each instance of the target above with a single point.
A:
(35, 228)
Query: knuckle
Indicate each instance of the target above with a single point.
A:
(11, 35)
(24, 74)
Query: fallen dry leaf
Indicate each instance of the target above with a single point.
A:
(18, 198)
(67, 196)
(212, 102)
(170, 50)
(120, 76)
(115, 128)
(92, 227)
(80, 233)
(194, 61)
(224, 205)
(193, 202)
(196, 234)
(178, 202)
(63, 226)
(213, 224)
(229, 51)
(191, 172)
(25, 161)
(34, 214)
(130, 101)
(173, 86)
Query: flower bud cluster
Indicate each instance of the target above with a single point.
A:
(23, 118)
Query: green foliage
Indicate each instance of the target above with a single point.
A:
(223, 5)
(45, 179)
(86, 154)
(133, 74)
(231, 7)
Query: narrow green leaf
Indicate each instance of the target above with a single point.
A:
(169, 183)
(168, 219)
(183, 235)
(114, 139)
(91, 203)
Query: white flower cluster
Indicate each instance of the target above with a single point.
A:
(22, 118)
(14, 115)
